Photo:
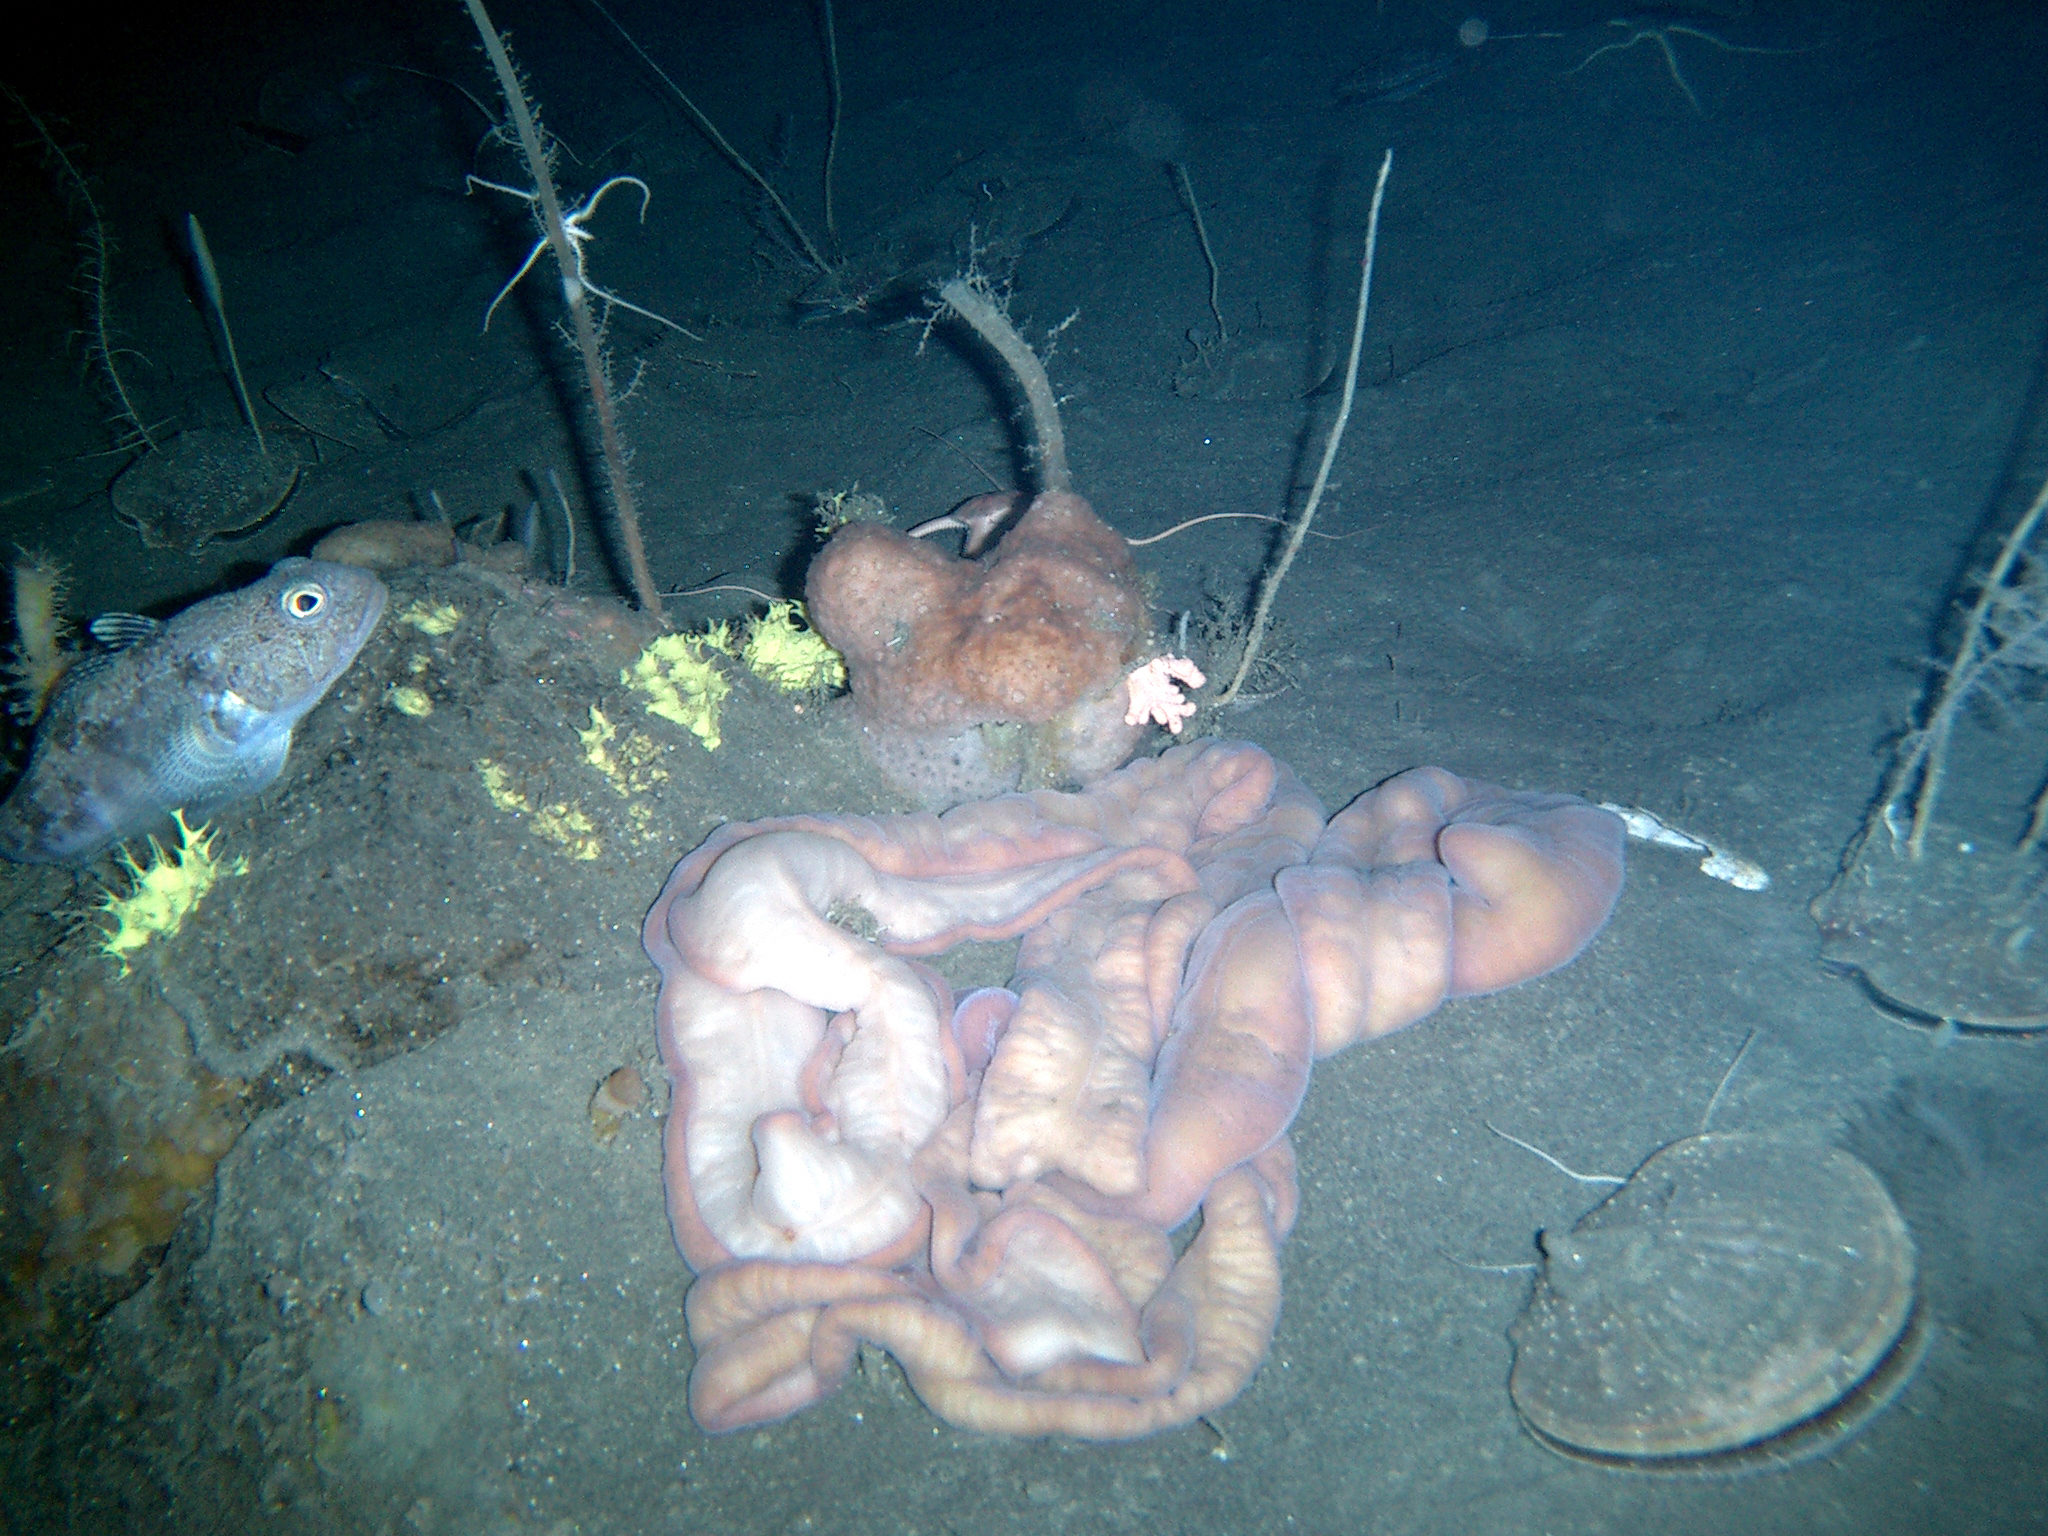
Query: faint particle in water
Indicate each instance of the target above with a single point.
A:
(1742, 1301)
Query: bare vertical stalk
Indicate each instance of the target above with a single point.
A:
(1187, 191)
(216, 301)
(832, 137)
(1270, 587)
(568, 527)
(739, 161)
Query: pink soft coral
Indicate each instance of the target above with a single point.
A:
(1156, 696)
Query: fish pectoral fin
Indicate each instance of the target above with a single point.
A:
(238, 721)
(202, 770)
(262, 766)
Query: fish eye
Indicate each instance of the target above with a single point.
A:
(305, 600)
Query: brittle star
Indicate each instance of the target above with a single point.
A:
(573, 220)
(1644, 30)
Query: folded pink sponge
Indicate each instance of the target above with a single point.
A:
(973, 677)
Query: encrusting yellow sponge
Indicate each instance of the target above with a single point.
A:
(683, 683)
(790, 655)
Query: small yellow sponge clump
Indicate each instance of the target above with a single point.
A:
(793, 657)
(683, 683)
(435, 619)
(162, 893)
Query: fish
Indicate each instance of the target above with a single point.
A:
(1399, 77)
(188, 714)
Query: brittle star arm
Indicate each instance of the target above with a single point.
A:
(573, 222)
(1660, 34)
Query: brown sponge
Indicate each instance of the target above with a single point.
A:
(1040, 633)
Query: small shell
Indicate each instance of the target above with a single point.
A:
(617, 1098)
(1737, 1290)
